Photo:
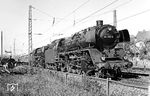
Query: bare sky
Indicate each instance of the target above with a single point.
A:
(14, 19)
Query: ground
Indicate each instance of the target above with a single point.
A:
(41, 83)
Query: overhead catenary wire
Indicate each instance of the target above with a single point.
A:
(123, 4)
(131, 16)
(128, 17)
(74, 11)
(52, 17)
(93, 14)
(109, 11)
(97, 11)
(61, 19)
(45, 13)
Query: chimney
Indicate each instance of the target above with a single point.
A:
(99, 22)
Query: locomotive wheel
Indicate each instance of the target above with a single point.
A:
(107, 73)
(102, 73)
(62, 69)
(113, 74)
(54, 67)
(47, 66)
(118, 72)
(79, 71)
(69, 69)
(90, 73)
(58, 68)
(65, 69)
(99, 74)
(75, 71)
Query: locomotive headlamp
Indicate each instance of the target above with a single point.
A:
(109, 28)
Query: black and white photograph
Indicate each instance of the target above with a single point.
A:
(74, 47)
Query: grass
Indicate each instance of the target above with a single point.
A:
(42, 83)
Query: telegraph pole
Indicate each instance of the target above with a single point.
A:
(1, 44)
(14, 48)
(30, 33)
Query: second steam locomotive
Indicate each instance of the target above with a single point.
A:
(86, 52)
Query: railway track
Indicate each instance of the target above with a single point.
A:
(135, 79)
(141, 70)
(133, 74)
(140, 78)
(140, 81)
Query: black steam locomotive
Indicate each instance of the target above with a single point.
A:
(86, 52)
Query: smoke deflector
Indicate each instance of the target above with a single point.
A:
(124, 36)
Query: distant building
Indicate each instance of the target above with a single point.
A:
(143, 35)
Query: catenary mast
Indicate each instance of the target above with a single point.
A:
(30, 33)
